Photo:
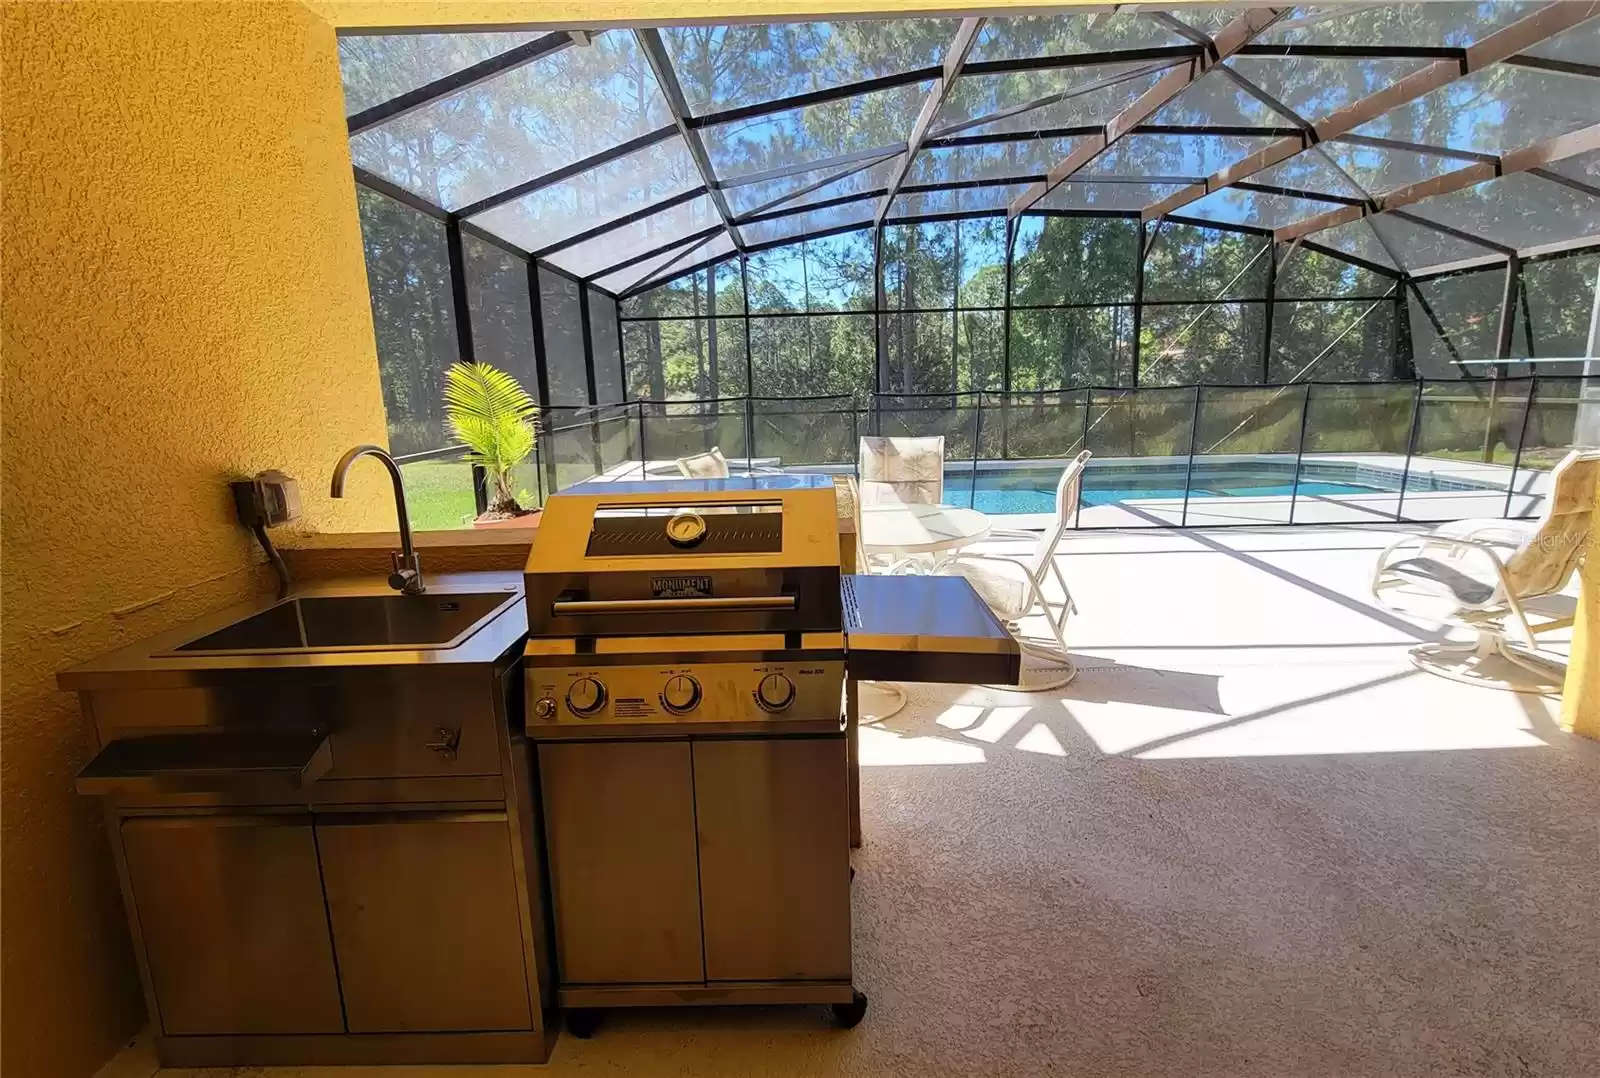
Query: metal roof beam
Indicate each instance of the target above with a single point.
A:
(1169, 86)
(645, 256)
(655, 51)
(945, 141)
(810, 188)
(659, 274)
(566, 172)
(1548, 21)
(1056, 99)
(814, 97)
(621, 222)
(872, 155)
(457, 81)
(1296, 192)
(1570, 182)
(400, 194)
(955, 56)
(1562, 67)
(1356, 52)
(1413, 147)
(1454, 233)
(1354, 260)
(1524, 160)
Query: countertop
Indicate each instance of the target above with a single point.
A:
(143, 664)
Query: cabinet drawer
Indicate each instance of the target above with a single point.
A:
(411, 727)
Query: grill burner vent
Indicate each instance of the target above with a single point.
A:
(726, 533)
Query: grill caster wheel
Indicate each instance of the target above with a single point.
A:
(583, 1021)
(849, 1015)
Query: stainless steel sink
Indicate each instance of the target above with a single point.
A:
(431, 621)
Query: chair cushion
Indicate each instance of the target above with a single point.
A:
(1002, 585)
(902, 470)
(1438, 576)
(712, 465)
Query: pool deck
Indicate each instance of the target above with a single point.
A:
(1482, 490)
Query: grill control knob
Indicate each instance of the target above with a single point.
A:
(544, 707)
(775, 692)
(586, 696)
(682, 694)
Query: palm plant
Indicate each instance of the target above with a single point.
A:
(496, 419)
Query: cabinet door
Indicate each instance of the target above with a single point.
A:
(619, 817)
(231, 916)
(425, 922)
(774, 858)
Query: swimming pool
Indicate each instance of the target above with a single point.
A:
(1032, 488)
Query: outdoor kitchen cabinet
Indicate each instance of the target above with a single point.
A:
(230, 910)
(329, 857)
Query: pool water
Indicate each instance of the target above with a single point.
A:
(1032, 490)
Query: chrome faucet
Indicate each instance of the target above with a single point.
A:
(407, 569)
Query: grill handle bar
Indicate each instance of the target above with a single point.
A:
(671, 606)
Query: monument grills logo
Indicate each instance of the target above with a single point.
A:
(680, 587)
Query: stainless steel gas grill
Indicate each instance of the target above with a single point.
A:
(685, 670)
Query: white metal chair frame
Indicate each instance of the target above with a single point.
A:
(1489, 616)
(1040, 567)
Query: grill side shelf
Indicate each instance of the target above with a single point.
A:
(924, 628)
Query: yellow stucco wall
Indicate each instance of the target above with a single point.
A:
(184, 299)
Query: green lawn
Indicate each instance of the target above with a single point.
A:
(1540, 458)
(439, 494)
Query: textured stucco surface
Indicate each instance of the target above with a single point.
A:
(184, 300)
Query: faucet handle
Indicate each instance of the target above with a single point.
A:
(404, 577)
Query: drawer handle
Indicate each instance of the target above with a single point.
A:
(446, 742)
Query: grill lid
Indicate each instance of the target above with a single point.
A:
(655, 559)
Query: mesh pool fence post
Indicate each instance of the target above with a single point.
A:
(480, 488)
(644, 458)
(1300, 449)
(977, 439)
(1188, 470)
(750, 434)
(1522, 436)
(1411, 448)
(1083, 443)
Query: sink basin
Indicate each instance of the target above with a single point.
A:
(435, 620)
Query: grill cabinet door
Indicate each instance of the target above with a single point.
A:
(231, 918)
(774, 858)
(619, 821)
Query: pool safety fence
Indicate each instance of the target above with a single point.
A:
(1164, 456)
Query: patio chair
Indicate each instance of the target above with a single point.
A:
(1016, 589)
(907, 470)
(708, 465)
(1490, 576)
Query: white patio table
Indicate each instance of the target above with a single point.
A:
(903, 529)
